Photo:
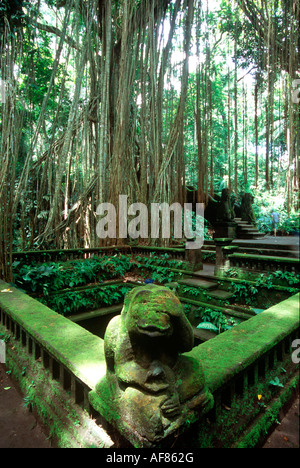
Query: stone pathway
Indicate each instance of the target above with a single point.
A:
(286, 434)
(19, 428)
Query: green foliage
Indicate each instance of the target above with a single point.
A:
(255, 291)
(243, 291)
(208, 326)
(90, 299)
(158, 267)
(190, 291)
(56, 276)
(264, 280)
(11, 11)
(209, 257)
(46, 279)
(276, 382)
(287, 276)
(215, 320)
(37, 278)
(265, 202)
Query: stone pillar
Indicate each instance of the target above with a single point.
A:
(222, 261)
(193, 258)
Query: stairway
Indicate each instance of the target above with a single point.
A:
(249, 246)
(210, 296)
(209, 287)
(246, 230)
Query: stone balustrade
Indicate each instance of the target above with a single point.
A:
(63, 255)
(263, 263)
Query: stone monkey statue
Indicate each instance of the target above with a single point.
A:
(150, 389)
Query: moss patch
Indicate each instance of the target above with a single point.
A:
(69, 426)
(76, 348)
(228, 353)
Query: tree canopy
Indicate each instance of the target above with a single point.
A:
(148, 98)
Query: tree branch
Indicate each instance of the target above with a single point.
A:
(53, 30)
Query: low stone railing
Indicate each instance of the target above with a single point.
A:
(232, 361)
(41, 256)
(192, 258)
(263, 263)
(63, 255)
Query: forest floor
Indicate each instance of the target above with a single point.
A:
(20, 428)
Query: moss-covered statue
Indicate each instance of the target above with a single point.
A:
(247, 213)
(225, 210)
(220, 208)
(150, 389)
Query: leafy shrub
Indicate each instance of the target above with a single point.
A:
(73, 302)
(243, 291)
(215, 320)
(264, 203)
(55, 276)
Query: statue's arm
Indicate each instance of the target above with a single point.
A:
(183, 333)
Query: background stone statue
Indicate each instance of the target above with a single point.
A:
(247, 213)
(220, 208)
(225, 210)
(150, 389)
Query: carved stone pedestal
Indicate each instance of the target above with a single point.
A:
(222, 262)
(194, 259)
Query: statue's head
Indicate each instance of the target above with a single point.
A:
(150, 310)
(225, 194)
(248, 199)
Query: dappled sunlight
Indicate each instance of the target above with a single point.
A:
(92, 372)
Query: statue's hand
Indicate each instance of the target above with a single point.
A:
(171, 406)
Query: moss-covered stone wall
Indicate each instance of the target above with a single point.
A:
(230, 353)
(77, 349)
(224, 358)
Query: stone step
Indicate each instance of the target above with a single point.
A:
(269, 243)
(198, 283)
(263, 245)
(259, 249)
(233, 311)
(251, 236)
(269, 252)
(250, 229)
(253, 233)
(237, 314)
(203, 335)
(258, 235)
(220, 294)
